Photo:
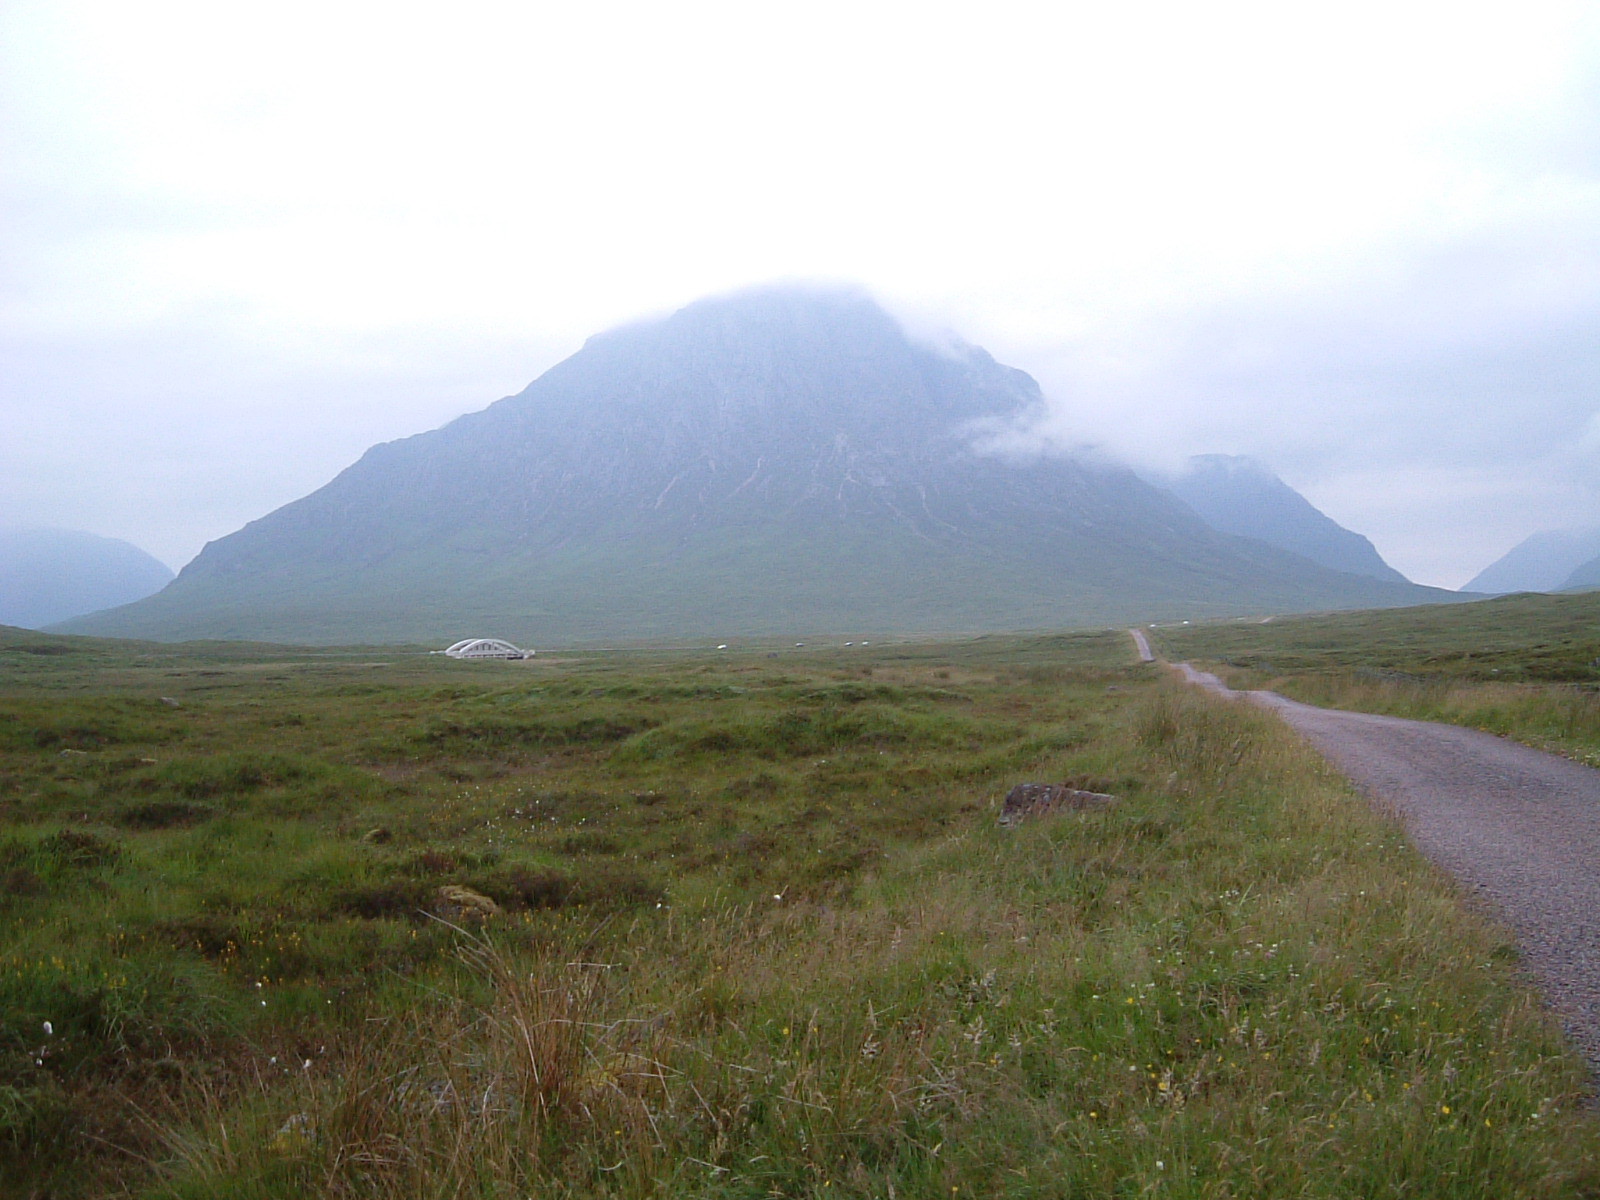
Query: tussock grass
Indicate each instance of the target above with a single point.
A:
(775, 967)
(1239, 984)
(1561, 718)
(1525, 667)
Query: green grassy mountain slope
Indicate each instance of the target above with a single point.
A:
(780, 461)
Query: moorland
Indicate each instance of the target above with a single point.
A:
(755, 931)
(1525, 666)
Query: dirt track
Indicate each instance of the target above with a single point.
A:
(1520, 826)
(1142, 645)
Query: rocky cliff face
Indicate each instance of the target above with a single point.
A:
(779, 461)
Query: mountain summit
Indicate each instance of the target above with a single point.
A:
(780, 461)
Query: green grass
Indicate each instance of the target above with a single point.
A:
(1521, 638)
(1525, 667)
(759, 934)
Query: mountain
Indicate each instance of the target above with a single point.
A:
(1236, 494)
(1585, 575)
(782, 461)
(1544, 562)
(48, 575)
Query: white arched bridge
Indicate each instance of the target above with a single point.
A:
(486, 648)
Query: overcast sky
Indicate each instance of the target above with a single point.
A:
(241, 243)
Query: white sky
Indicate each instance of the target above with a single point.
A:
(241, 243)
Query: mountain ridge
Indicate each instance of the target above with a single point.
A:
(1545, 561)
(782, 460)
(49, 575)
(1237, 494)
(1585, 575)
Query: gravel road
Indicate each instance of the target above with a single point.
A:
(1142, 645)
(1520, 826)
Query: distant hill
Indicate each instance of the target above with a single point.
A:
(1239, 495)
(782, 461)
(49, 575)
(1544, 562)
(1586, 575)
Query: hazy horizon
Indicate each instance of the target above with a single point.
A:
(1359, 243)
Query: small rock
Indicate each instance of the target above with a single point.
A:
(295, 1135)
(1039, 799)
(456, 903)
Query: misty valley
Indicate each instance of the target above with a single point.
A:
(725, 601)
(713, 890)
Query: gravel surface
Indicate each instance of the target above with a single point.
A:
(1520, 826)
(1142, 645)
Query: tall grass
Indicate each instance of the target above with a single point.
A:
(758, 934)
(1239, 981)
(1525, 667)
(1562, 718)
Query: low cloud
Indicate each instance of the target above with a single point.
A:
(1442, 401)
